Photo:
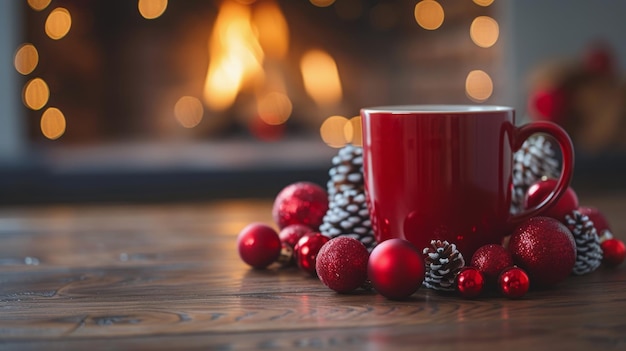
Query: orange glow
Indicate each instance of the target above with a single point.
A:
(272, 29)
(235, 56)
(352, 131)
(151, 9)
(38, 5)
(322, 3)
(188, 111)
(483, 2)
(52, 123)
(26, 59)
(484, 31)
(274, 108)
(36, 94)
(332, 131)
(58, 23)
(429, 14)
(321, 77)
(478, 86)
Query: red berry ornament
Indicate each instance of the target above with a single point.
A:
(545, 248)
(470, 282)
(613, 251)
(341, 264)
(258, 245)
(306, 251)
(514, 282)
(292, 233)
(540, 190)
(491, 260)
(396, 269)
(599, 222)
(300, 203)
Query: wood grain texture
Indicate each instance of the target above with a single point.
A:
(168, 277)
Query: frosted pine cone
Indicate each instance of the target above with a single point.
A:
(534, 160)
(347, 171)
(588, 249)
(443, 262)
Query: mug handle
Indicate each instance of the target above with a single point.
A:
(567, 151)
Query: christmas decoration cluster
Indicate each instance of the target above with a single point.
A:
(328, 234)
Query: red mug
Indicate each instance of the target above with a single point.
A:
(445, 172)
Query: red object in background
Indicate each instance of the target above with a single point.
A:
(599, 222)
(292, 233)
(514, 283)
(613, 251)
(540, 190)
(545, 248)
(266, 132)
(599, 59)
(396, 269)
(491, 260)
(258, 245)
(300, 203)
(470, 282)
(548, 105)
(341, 264)
(306, 251)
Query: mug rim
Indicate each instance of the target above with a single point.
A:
(436, 109)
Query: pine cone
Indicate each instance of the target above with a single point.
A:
(588, 249)
(347, 213)
(443, 262)
(534, 160)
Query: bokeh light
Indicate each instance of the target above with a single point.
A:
(53, 123)
(38, 5)
(332, 131)
(322, 3)
(58, 23)
(274, 108)
(272, 29)
(429, 14)
(321, 77)
(484, 31)
(478, 86)
(483, 2)
(26, 59)
(151, 9)
(188, 111)
(36, 94)
(352, 131)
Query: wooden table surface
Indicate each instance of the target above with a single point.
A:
(162, 277)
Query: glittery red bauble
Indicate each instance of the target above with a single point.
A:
(514, 282)
(599, 221)
(491, 260)
(306, 251)
(300, 203)
(258, 245)
(342, 264)
(545, 248)
(292, 233)
(540, 190)
(396, 269)
(613, 252)
(470, 282)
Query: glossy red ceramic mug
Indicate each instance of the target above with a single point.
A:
(445, 172)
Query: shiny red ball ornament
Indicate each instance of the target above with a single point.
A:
(341, 264)
(540, 190)
(292, 233)
(470, 282)
(258, 245)
(306, 251)
(491, 260)
(514, 282)
(599, 222)
(545, 248)
(300, 203)
(396, 269)
(613, 252)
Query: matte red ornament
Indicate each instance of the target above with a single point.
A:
(613, 251)
(292, 233)
(258, 245)
(470, 282)
(396, 269)
(341, 264)
(300, 203)
(539, 191)
(491, 260)
(306, 251)
(514, 282)
(545, 248)
(599, 222)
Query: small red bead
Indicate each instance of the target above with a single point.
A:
(258, 245)
(514, 283)
(614, 252)
(306, 251)
(396, 269)
(470, 282)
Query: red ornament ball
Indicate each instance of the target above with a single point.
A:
(599, 222)
(470, 282)
(258, 245)
(306, 251)
(491, 260)
(540, 190)
(342, 264)
(545, 248)
(613, 251)
(300, 203)
(396, 269)
(548, 105)
(514, 282)
(292, 233)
